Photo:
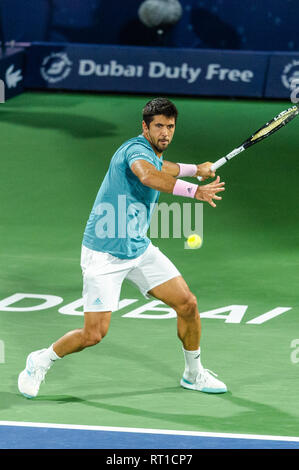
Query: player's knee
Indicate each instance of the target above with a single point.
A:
(92, 338)
(188, 306)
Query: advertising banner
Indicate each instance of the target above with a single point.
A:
(12, 73)
(146, 70)
(283, 76)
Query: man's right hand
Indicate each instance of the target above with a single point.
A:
(208, 192)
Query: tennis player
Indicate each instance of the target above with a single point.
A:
(118, 249)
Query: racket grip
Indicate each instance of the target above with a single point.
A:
(215, 166)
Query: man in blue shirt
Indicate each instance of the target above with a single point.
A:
(121, 195)
(115, 247)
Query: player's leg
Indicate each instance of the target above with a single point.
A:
(178, 296)
(96, 325)
(101, 289)
(156, 275)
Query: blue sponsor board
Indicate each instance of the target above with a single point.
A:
(146, 70)
(12, 73)
(283, 77)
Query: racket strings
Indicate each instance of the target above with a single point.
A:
(285, 117)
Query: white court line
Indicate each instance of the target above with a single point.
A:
(149, 431)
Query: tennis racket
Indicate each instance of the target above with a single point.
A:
(269, 128)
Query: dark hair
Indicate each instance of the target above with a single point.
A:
(159, 106)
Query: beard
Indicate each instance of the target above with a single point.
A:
(158, 147)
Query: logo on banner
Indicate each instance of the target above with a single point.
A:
(290, 75)
(13, 77)
(56, 67)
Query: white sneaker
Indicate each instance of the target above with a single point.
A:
(205, 382)
(33, 375)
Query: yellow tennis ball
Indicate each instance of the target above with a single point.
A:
(194, 241)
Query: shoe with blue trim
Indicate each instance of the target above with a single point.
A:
(33, 375)
(205, 381)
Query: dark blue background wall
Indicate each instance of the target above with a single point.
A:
(223, 24)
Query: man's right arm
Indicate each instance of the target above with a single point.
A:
(151, 177)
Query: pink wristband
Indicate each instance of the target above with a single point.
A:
(182, 188)
(187, 169)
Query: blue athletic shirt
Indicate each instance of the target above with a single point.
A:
(121, 214)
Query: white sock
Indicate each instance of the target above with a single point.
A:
(48, 356)
(52, 354)
(192, 364)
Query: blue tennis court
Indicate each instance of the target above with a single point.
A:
(47, 436)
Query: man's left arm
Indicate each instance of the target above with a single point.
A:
(183, 169)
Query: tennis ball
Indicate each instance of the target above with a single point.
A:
(194, 241)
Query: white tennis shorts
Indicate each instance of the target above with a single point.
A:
(103, 275)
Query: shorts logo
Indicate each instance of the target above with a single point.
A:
(290, 75)
(55, 67)
(97, 302)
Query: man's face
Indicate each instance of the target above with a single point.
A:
(160, 132)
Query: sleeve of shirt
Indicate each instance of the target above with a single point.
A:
(138, 152)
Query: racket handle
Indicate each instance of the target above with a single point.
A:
(225, 159)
